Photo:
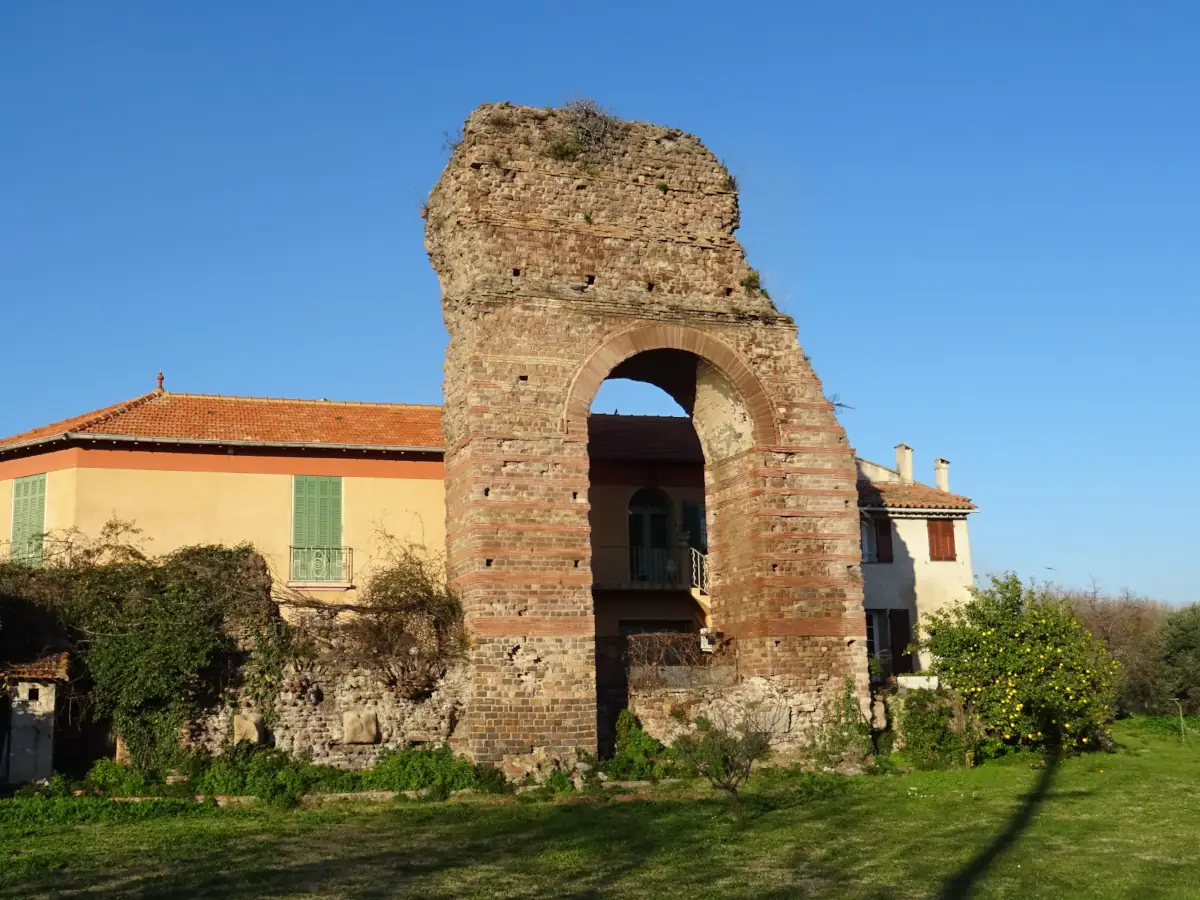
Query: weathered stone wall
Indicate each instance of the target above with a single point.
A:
(311, 718)
(667, 712)
(556, 269)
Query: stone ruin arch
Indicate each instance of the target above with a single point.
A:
(569, 252)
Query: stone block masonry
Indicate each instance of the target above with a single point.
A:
(570, 248)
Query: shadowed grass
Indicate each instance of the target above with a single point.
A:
(1106, 825)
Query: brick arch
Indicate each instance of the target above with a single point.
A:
(641, 338)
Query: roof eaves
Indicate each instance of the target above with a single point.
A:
(223, 442)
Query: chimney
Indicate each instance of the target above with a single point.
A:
(941, 474)
(904, 463)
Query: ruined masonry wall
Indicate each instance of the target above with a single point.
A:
(314, 724)
(553, 271)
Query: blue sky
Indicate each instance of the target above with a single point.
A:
(984, 218)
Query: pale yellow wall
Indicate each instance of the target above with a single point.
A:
(62, 496)
(408, 509)
(175, 509)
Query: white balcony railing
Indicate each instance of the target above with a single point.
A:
(667, 568)
(27, 552)
(699, 570)
(322, 565)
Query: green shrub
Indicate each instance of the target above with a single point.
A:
(636, 756)
(112, 779)
(559, 782)
(491, 780)
(1025, 668)
(842, 735)
(32, 812)
(1180, 678)
(419, 768)
(935, 734)
(565, 149)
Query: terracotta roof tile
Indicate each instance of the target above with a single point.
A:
(215, 418)
(643, 438)
(892, 495)
(204, 417)
(48, 668)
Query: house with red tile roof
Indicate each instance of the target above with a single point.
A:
(316, 485)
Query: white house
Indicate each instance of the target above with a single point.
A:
(916, 553)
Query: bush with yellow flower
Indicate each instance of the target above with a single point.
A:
(1028, 673)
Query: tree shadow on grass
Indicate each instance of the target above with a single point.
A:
(574, 851)
(963, 882)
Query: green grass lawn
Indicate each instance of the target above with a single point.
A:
(1124, 824)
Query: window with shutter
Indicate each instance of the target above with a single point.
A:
(29, 519)
(317, 552)
(900, 636)
(883, 539)
(941, 540)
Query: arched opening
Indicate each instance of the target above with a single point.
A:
(655, 421)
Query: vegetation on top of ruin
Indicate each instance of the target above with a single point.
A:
(589, 134)
(752, 285)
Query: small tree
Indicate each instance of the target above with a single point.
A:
(1131, 627)
(1025, 667)
(408, 624)
(725, 748)
(1180, 677)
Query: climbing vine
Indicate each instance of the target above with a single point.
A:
(155, 639)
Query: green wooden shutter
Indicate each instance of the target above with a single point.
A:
(29, 518)
(316, 528)
(299, 520)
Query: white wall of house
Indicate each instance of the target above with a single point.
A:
(29, 748)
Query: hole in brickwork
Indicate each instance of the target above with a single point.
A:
(649, 285)
(33, 695)
(574, 495)
(488, 563)
(774, 567)
(728, 292)
(522, 378)
(591, 279)
(486, 491)
(516, 273)
(576, 564)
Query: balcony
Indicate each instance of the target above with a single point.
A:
(26, 552)
(650, 568)
(320, 566)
